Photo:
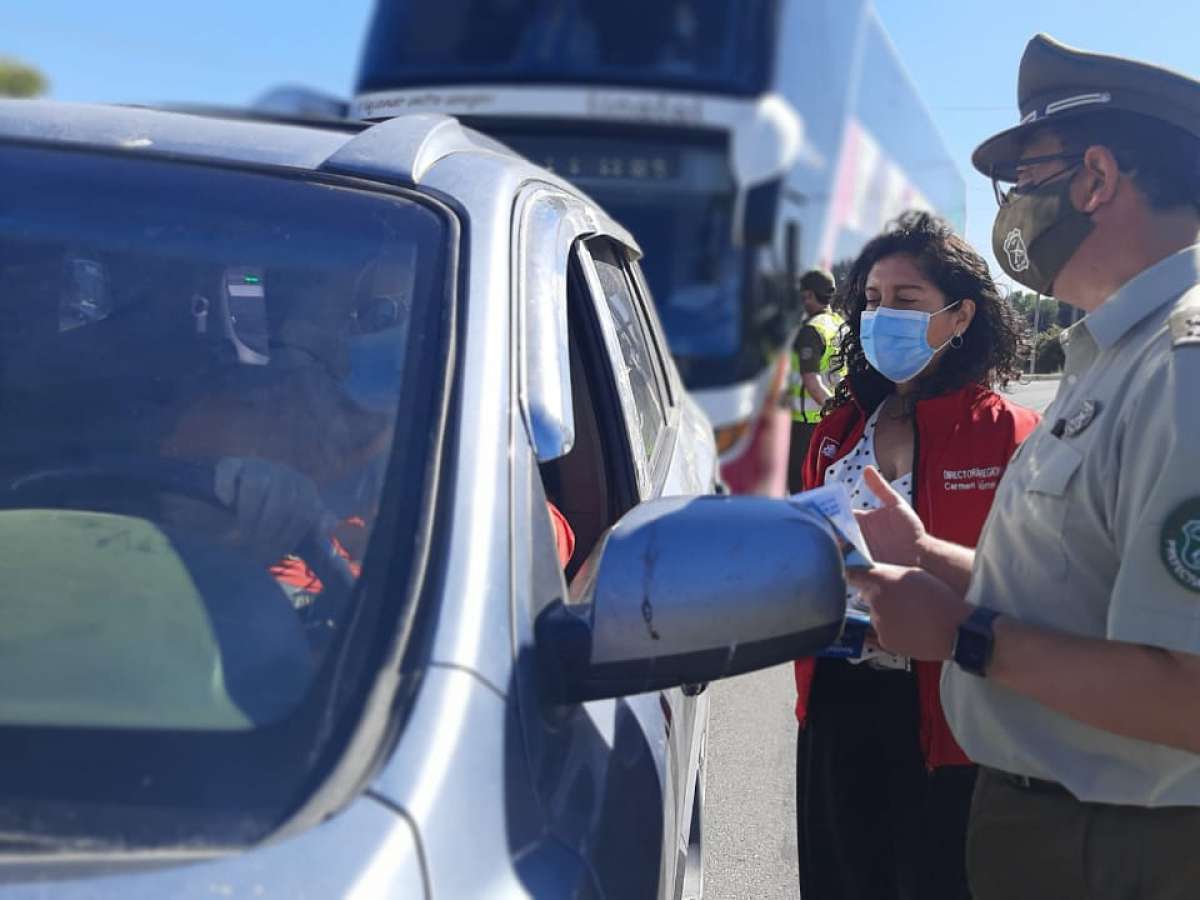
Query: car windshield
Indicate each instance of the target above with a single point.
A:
(696, 44)
(204, 380)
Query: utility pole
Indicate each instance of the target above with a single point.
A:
(1037, 318)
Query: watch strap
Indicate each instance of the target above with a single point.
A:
(973, 643)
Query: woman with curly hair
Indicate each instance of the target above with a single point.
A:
(883, 790)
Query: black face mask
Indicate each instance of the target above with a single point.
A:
(1037, 232)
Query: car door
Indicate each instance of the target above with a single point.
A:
(674, 720)
(615, 779)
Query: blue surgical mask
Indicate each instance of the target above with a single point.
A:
(375, 363)
(896, 341)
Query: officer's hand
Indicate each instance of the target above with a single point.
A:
(894, 533)
(913, 613)
(275, 506)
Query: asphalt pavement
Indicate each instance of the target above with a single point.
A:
(1035, 394)
(750, 816)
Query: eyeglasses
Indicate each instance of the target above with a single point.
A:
(1009, 173)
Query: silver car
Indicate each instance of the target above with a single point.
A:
(357, 536)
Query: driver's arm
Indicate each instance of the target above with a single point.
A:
(276, 507)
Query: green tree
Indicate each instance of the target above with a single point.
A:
(1048, 351)
(20, 80)
(1021, 301)
(1025, 303)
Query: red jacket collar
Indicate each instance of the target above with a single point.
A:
(867, 392)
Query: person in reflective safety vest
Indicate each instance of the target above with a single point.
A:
(811, 380)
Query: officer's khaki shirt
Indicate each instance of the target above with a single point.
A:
(1095, 530)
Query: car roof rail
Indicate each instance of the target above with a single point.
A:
(255, 114)
(405, 147)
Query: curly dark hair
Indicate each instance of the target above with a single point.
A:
(993, 344)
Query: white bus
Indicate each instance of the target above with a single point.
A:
(741, 141)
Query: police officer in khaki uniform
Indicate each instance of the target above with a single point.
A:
(810, 378)
(1076, 625)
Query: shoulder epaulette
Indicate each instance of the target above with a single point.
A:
(1185, 320)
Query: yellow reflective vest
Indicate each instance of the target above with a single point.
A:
(829, 325)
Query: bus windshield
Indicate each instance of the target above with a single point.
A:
(677, 199)
(692, 267)
(707, 45)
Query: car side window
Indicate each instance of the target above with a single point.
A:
(655, 334)
(638, 356)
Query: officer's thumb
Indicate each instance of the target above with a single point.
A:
(880, 488)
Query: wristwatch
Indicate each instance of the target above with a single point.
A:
(973, 644)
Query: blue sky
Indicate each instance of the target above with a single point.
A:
(963, 56)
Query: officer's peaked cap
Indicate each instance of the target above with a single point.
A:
(1057, 81)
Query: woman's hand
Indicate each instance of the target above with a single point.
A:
(913, 613)
(894, 533)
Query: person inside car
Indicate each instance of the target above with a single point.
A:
(298, 449)
(301, 437)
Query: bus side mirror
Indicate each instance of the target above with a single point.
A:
(759, 210)
(784, 311)
(792, 296)
(791, 308)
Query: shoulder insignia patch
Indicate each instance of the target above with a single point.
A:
(1180, 544)
(1082, 418)
(1185, 320)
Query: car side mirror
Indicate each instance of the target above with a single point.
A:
(687, 590)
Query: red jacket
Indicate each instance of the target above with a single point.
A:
(963, 443)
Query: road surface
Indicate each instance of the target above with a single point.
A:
(1035, 394)
(750, 822)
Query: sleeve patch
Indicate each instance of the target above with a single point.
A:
(1180, 544)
